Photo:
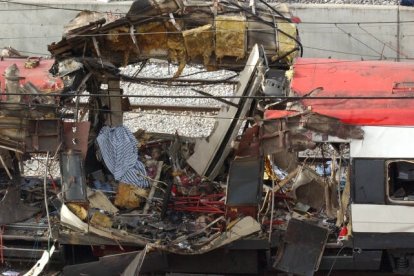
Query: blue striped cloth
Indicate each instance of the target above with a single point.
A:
(120, 153)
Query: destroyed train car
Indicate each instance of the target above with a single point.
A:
(307, 168)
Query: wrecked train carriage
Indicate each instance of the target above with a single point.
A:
(30, 101)
(305, 180)
(30, 124)
(219, 35)
(365, 155)
(285, 207)
(87, 59)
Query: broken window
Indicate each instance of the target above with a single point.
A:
(400, 184)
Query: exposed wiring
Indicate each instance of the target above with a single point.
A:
(360, 41)
(382, 42)
(291, 98)
(275, 11)
(375, 57)
(50, 7)
(333, 264)
(272, 194)
(341, 52)
(271, 24)
(167, 17)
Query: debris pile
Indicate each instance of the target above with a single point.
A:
(252, 179)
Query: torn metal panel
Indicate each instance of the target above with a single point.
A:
(230, 36)
(70, 220)
(346, 78)
(295, 132)
(283, 135)
(209, 154)
(38, 76)
(243, 228)
(73, 177)
(249, 144)
(43, 135)
(240, 229)
(331, 126)
(301, 252)
(25, 119)
(40, 265)
(309, 188)
(75, 136)
(286, 160)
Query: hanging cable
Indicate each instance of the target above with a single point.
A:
(360, 41)
(269, 24)
(382, 42)
(45, 198)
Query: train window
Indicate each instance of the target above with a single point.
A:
(400, 184)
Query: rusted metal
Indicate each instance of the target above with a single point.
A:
(43, 135)
(39, 76)
(331, 126)
(73, 178)
(302, 249)
(11, 207)
(309, 188)
(75, 136)
(249, 144)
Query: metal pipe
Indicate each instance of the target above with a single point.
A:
(12, 149)
(45, 195)
(215, 97)
(5, 167)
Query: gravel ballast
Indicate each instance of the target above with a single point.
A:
(185, 123)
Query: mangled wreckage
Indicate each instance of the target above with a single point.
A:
(308, 166)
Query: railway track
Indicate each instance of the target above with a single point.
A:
(176, 108)
(172, 108)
